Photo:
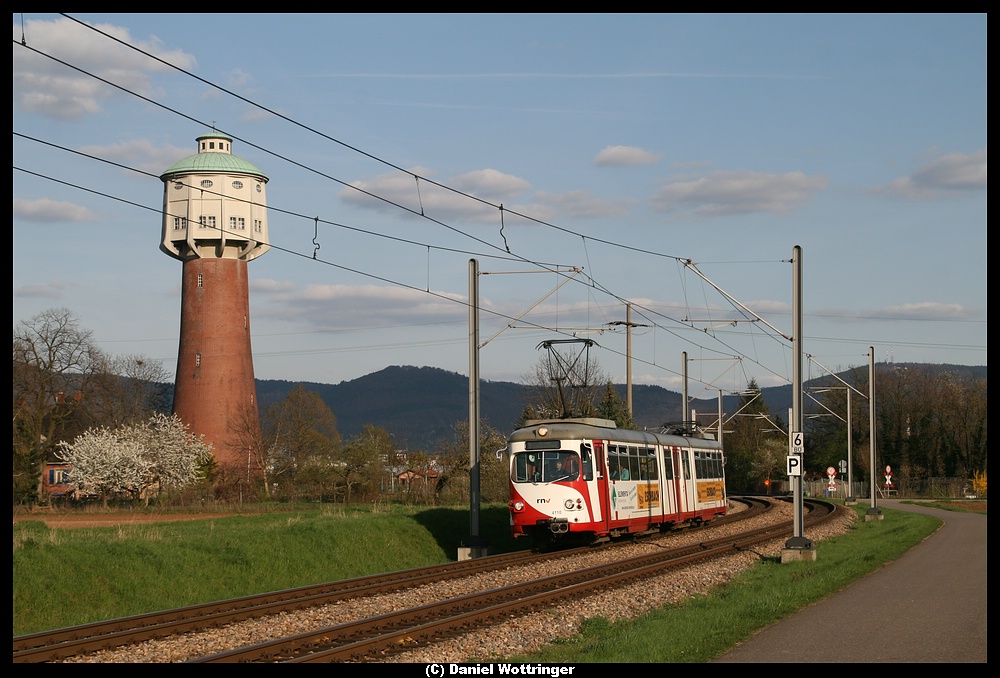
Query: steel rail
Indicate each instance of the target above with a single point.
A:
(405, 629)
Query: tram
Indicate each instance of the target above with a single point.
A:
(586, 478)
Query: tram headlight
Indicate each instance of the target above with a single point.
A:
(518, 505)
(569, 504)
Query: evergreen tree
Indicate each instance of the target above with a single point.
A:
(611, 406)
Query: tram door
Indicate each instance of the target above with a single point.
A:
(668, 483)
(686, 484)
(599, 485)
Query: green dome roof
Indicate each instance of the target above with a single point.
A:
(213, 162)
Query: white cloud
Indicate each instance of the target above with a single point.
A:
(44, 86)
(51, 211)
(398, 188)
(948, 174)
(724, 193)
(50, 290)
(926, 310)
(625, 156)
(141, 154)
(269, 285)
(328, 306)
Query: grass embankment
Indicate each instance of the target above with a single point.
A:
(68, 577)
(65, 577)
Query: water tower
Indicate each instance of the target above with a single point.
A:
(215, 221)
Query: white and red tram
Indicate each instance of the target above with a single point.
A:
(586, 477)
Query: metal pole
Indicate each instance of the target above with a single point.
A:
(872, 426)
(474, 540)
(722, 414)
(628, 350)
(798, 540)
(850, 452)
(684, 391)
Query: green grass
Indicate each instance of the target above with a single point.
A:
(72, 576)
(65, 577)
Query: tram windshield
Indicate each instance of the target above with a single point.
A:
(550, 466)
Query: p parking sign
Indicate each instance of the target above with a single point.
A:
(793, 464)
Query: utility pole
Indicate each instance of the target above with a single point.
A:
(628, 352)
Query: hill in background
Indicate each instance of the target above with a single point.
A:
(419, 406)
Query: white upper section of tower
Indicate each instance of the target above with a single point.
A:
(214, 204)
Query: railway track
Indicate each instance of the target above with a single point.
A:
(63, 643)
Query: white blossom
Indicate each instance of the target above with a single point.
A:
(159, 453)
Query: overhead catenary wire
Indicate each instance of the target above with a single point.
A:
(593, 283)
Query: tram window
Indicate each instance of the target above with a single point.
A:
(633, 462)
(650, 461)
(588, 462)
(546, 467)
(668, 465)
(618, 463)
(526, 468)
(708, 464)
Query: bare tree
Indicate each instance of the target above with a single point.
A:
(248, 437)
(566, 381)
(56, 370)
(134, 388)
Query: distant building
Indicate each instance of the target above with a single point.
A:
(215, 222)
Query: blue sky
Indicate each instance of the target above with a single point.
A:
(620, 145)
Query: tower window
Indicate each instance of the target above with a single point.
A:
(237, 185)
(201, 280)
(206, 222)
(197, 360)
(206, 183)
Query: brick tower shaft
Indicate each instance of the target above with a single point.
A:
(214, 390)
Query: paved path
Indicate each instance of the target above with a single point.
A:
(934, 606)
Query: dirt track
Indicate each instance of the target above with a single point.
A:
(71, 520)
